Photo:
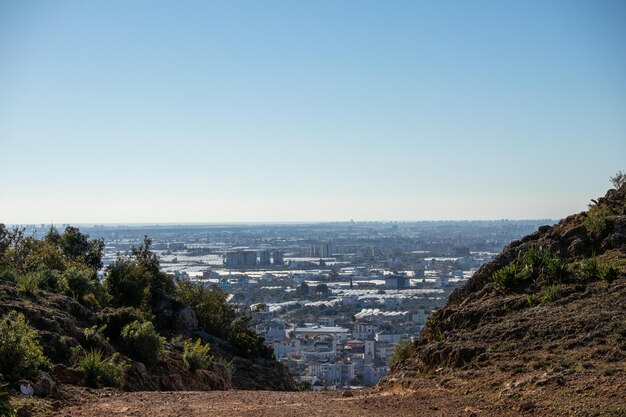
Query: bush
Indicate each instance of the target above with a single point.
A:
(100, 372)
(21, 354)
(214, 313)
(533, 262)
(141, 341)
(609, 273)
(178, 342)
(506, 277)
(196, 355)
(28, 284)
(113, 320)
(589, 269)
(127, 283)
(51, 280)
(403, 351)
(95, 338)
(79, 282)
(8, 274)
(550, 294)
(597, 219)
(556, 270)
(247, 342)
(618, 180)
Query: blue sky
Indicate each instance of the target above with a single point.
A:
(154, 111)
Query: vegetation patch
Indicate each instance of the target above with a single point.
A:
(142, 342)
(506, 277)
(196, 355)
(220, 318)
(402, 352)
(103, 372)
(597, 220)
(21, 354)
(534, 265)
(550, 294)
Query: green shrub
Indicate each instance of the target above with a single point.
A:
(531, 300)
(51, 280)
(618, 180)
(127, 283)
(589, 269)
(101, 372)
(506, 277)
(196, 355)
(95, 338)
(28, 284)
(113, 320)
(214, 313)
(247, 342)
(219, 318)
(136, 281)
(403, 351)
(556, 270)
(609, 273)
(141, 341)
(533, 262)
(21, 354)
(178, 342)
(79, 282)
(550, 294)
(597, 219)
(8, 274)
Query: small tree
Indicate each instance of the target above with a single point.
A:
(211, 305)
(619, 179)
(403, 351)
(127, 283)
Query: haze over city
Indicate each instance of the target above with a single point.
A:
(274, 111)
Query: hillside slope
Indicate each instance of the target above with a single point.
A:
(542, 328)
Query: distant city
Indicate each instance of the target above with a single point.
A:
(332, 299)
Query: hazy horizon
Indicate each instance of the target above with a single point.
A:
(277, 223)
(263, 112)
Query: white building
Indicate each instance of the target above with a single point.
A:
(282, 348)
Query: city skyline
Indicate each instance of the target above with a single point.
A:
(245, 112)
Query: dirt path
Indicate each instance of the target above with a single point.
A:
(279, 404)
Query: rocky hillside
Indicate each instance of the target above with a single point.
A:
(61, 322)
(542, 328)
(138, 330)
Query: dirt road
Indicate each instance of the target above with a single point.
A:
(279, 404)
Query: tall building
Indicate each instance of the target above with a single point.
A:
(319, 250)
(265, 257)
(240, 258)
(278, 258)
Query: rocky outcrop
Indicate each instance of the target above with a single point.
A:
(171, 375)
(174, 317)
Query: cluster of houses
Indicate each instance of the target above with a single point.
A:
(329, 356)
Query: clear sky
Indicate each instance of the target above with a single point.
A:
(200, 111)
